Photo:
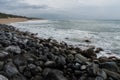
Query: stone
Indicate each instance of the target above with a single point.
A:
(70, 58)
(38, 69)
(88, 41)
(98, 50)
(72, 52)
(27, 74)
(77, 66)
(31, 66)
(51, 64)
(13, 49)
(19, 77)
(3, 55)
(83, 77)
(21, 68)
(37, 77)
(53, 74)
(102, 74)
(83, 67)
(112, 74)
(80, 58)
(56, 48)
(103, 59)
(78, 73)
(112, 66)
(99, 78)
(1, 65)
(60, 61)
(19, 60)
(10, 69)
(5, 43)
(89, 53)
(93, 69)
(3, 77)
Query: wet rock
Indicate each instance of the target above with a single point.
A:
(5, 43)
(53, 74)
(114, 75)
(31, 66)
(91, 46)
(66, 38)
(89, 53)
(13, 49)
(46, 71)
(70, 58)
(1, 65)
(3, 55)
(110, 78)
(60, 61)
(78, 73)
(83, 77)
(93, 69)
(83, 67)
(27, 73)
(102, 74)
(10, 69)
(77, 66)
(99, 78)
(103, 59)
(38, 69)
(21, 68)
(37, 77)
(19, 60)
(88, 41)
(98, 50)
(39, 63)
(80, 58)
(18, 77)
(3, 77)
(72, 52)
(112, 66)
(56, 48)
(51, 64)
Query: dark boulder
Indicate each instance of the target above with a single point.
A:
(10, 69)
(53, 74)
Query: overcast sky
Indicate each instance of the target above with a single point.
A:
(81, 9)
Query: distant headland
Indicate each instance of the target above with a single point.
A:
(10, 18)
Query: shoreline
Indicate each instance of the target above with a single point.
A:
(13, 20)
(23, 56)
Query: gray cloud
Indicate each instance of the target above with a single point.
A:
(14, 4)
(83, 9)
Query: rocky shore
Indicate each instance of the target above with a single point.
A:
(23, 56)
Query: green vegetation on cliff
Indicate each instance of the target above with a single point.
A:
(4, 15)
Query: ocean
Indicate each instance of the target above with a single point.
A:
(101, 33)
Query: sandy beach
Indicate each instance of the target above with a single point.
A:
(11, 20)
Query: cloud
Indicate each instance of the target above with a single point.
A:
(14, 4)
(63, 8)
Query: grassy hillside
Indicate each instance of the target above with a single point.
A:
(3, 15)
